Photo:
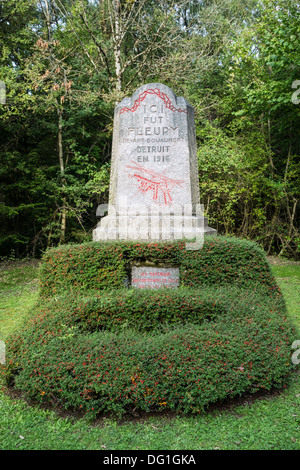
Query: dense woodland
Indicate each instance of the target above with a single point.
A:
(64, 66)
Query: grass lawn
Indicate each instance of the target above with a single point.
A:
(264, 422)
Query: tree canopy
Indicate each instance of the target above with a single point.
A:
(65, 64)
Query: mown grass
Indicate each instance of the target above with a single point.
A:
(288, 279)
(263, 422)
(19, 292)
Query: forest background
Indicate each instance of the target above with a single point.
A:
(65, 64)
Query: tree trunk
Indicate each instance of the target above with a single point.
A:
(46, 12)
(117, 45)
(62, 174)
(63, 222)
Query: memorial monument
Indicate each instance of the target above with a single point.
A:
(154, 184)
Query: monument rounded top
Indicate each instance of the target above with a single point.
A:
(153, 91)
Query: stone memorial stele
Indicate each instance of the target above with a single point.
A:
(154, 184)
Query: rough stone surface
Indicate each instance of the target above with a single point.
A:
(154, 184)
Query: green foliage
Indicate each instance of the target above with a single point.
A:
(234, 179)
(103, 348)
(247, 424)
(98, 266)
(183, 368)
(82, 267)
(235, 62)
(261, 71)
(267, 60)
(146, 310)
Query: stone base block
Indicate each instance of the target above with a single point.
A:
(151, 228)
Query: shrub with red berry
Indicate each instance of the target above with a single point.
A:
(94, 345)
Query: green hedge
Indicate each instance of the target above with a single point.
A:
(82, 267)
(105, 266)
(146, 310)
(93, 344)
(181, 367)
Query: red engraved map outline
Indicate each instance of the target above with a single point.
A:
(152, 91)
(150, 180)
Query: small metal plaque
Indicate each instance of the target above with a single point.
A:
(154, 278)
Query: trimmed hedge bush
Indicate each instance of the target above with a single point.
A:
(105, 266)
(94, 345)
(180, 367)
(82, 267)
(146, 310)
